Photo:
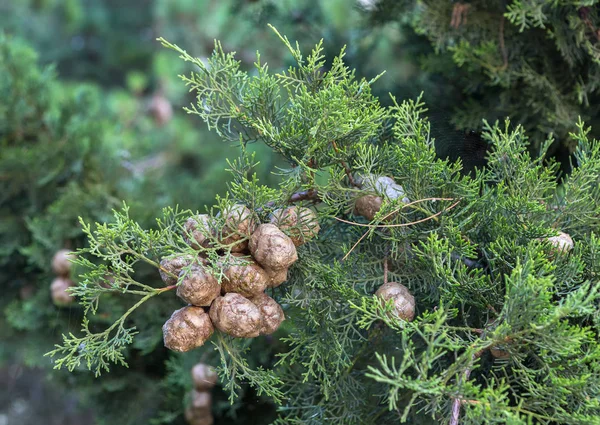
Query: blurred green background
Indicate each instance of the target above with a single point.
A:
(91, 74)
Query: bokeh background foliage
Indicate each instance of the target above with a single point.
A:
(80, 132)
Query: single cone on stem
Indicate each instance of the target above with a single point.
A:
(236, 315)
(562, 242)
(368, 206)
(197, 286)
(404, 302)
(197, 231)
(204, 377)
(272, 248)
(383, 187)
(61, 262)
(300, 224)
(271, 311)
(58, 291)
(244, 276)
(239, 225)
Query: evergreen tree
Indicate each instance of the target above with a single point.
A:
(428, 296)
(535, 62)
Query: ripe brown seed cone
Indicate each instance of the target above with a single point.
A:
(277, 277)
(368, 206)
(58, 291)
(244, 277)
(197, 286)
(61, 262)
(197, 230)
(239, 224)
(271, 311)
(404, 302)
(236, 315)
(173, 266)
(187, 328)
(299, 223)
(198, 416)
(204, 377)
(272, 248)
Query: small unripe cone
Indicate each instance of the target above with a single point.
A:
(271, 311)
(198, 417)
(197, 286)
(404, 302)
(244, 277)
(161, 109)
(277, 277)
(197, 230)
(188, 328)
(299, 223)
(368, 206)
(58, 290)
(236, 315)
(172, 266)
(204, 377)
(61, 262)
(562, 242)
(499, 353)
(239, 224)
(272, 248)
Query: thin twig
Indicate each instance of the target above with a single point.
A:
(502, 46)
(402, 224)
(456, 403)
(346, 168)
(385, 270)
(396, 225)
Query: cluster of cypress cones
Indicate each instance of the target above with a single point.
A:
(61, 266)
(199, 411)
(256, 257)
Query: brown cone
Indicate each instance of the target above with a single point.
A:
(299, 223)
(197, 286)
(204, 377)
(61, 262)
(235, 315)
(271, 311)
(239, 224)
(277, 277)
(198, 417)
(368, 206)
(244, 276)
(187, 328)
(272, 248)
(173, 266)
(404, 302)
(58, 290)
(197, 230)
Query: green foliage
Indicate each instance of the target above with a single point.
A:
(535, 62)
(473, 250)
